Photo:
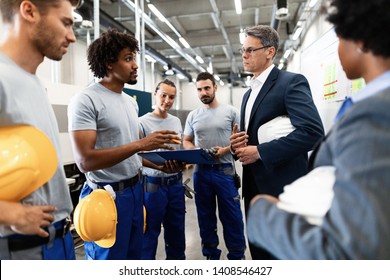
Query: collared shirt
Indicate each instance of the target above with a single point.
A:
(373, 87)
(256, 85)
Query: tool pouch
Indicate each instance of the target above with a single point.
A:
(237, 180)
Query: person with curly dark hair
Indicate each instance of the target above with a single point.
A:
(104, 130)
(356, 222)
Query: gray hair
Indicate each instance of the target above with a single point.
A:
(266, 34)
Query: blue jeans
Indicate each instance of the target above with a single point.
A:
(215, 184)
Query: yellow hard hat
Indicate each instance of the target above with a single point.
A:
(95, 218)
(28, 160)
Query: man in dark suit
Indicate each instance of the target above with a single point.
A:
(357, 223)
(270, 165)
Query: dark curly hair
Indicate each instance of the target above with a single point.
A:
(367, 21)
(105, 50)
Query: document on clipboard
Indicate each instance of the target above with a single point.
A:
(198, 156)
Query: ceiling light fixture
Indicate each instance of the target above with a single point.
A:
(184, 43)
(297, 33)
(199, 59)
(282, 11)
(312, 3)
(287, 53)
(173, 43)
(150, 59)
(238, 5)
(242, 36)
(77, 17)
(181, 76)
(157, 12)
(169, 71)
(210, 67)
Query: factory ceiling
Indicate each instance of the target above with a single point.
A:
(210, 27)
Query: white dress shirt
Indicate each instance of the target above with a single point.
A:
(256, 85)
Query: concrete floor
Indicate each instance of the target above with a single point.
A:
(193, 243)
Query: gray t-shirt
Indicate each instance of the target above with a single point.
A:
(212, 127)
(23, 100)
(115, 118)
(150, 123)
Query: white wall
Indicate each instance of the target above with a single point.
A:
(60, 94)
(72, 69)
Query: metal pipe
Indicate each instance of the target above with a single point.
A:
(166, 38)
(109, 21)
(229, 50)
(143, 60)
(96, 18)
(274, 21)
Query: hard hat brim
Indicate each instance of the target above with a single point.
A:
(107, 242)
(110, 240)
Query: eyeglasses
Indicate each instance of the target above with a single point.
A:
(251, 50)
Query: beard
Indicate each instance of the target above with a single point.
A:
(207, 99)
(132, 82)
(45, 42)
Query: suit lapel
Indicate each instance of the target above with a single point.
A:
(264, 90)
(243, 106)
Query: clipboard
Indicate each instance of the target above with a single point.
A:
(198, 156)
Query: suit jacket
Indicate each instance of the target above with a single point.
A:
(357, 226)
(285, 159)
